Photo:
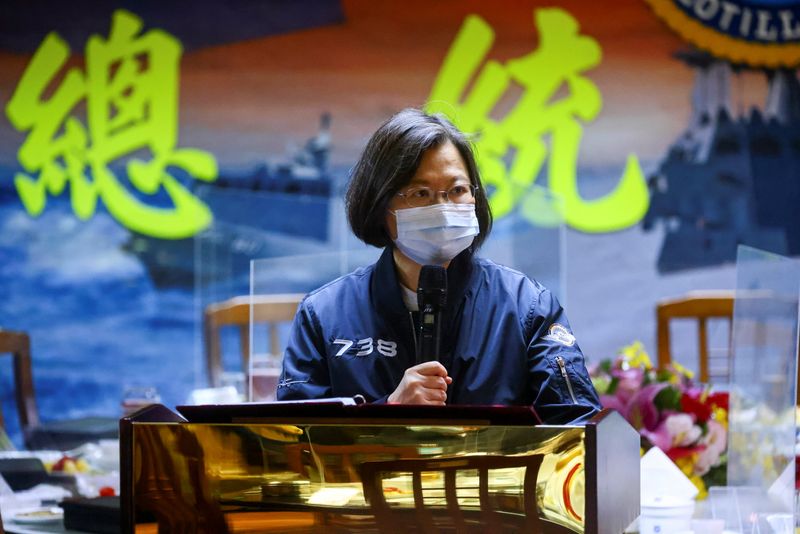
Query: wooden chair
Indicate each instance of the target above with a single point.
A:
(440, 507)
(339, 463)
(60, 435)
(701, 306)
(269, 309)
(18, 345)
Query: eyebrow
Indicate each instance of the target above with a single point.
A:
(453, 180)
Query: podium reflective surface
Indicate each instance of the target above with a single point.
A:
(333, 468)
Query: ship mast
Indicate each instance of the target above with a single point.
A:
(711, 96)
(783, 97)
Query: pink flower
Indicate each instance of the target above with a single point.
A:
(682, 429)
(612, 402)
(630, 381)
(676, 430)
(642, 412)
(717, 436)
(715, 441)
(659, 437)
(706, 459)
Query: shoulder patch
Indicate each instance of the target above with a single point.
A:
(560, 334)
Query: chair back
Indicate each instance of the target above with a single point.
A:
(700, 306)
(268, 310)
(439, 508)
(18, 345)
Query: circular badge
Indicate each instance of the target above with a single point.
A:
(758, 33)
(560, 334)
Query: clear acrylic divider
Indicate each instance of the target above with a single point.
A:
(531, 239)
(762, 428)
(251, 222)
(280, 283)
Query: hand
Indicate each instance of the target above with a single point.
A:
(425, 383)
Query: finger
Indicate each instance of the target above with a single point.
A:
(436, 396)
(448, 380)
(429, 396)
(417, 399)
(433, 382)
(431, 368)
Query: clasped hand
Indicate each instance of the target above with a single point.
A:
(425, 383)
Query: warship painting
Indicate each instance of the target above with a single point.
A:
(729, 179)
(270, 209)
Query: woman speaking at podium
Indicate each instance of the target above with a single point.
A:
(502, 338)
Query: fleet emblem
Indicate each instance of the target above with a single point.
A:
(763, 33)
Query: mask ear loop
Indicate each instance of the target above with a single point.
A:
(386, 229)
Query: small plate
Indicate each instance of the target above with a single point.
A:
(39, 516)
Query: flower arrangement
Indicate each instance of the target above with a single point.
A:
(684, 419)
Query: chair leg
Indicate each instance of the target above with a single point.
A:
(702, 335)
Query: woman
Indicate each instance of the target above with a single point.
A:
(416, 192)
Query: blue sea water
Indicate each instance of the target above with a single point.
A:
(97, 323)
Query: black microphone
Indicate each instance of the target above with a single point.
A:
(432, 299)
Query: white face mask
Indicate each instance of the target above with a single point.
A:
(435, 234)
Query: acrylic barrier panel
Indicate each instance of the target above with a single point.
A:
(256, 224)
(531, 240)
(277, 287)
(132, 338)
(761, 446)
(254, 218)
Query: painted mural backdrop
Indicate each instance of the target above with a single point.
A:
(148, 151)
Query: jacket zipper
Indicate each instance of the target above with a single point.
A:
(563, 367)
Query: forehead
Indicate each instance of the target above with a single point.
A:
(441, 165)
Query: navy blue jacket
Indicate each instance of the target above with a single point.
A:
(505, 340)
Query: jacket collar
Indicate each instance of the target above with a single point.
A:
(385, 286)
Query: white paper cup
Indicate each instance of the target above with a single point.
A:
(708, 526)
(666, 515)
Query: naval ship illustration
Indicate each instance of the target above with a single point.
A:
(729, 179)
(268, 210)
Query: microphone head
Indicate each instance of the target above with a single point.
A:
(432, 287)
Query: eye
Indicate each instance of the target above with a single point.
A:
(421, 192)
(459, 190)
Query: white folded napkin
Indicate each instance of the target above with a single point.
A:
(660, 477)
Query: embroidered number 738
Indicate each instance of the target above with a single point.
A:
(367, 346)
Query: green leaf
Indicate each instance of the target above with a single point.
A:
(662, 375)
(612, 387)
(668, 398)
(717, 475)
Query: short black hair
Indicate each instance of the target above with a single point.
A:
(389, 161)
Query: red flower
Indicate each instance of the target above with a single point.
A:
(691, 404)
(718, 399)
(797, 472)
(676, 453)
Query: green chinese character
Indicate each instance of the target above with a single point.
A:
(511, 151)
(130, 88)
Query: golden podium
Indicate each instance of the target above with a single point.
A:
(331, 467)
